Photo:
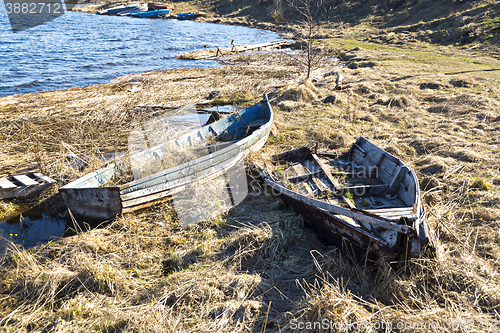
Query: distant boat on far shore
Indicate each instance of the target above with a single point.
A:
(151, 13)
(190, 16)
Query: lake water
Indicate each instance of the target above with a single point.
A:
(80, 49)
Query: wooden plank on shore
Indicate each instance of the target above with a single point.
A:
(6, 185)
(206, 54)
(44, 178)
(25, 180)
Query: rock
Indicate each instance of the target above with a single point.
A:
(353, 65)
(213, 94)
(332, 99)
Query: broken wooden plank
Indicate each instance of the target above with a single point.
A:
(320, 185)
(44, 178)
(300, 170)
(335, 184)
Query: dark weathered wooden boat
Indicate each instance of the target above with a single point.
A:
(94, 197)
(156, 6)
(111, 11)
(190, 16)
(24, 185)
(365, 200)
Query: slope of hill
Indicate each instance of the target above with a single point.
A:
(438, 21)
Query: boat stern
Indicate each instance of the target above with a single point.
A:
(96, 204)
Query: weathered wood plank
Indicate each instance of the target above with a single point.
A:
(319, 184)
(44, 178)
(25, 180)
(303, 177)
(6, 185)
(394, 214)
(395, 181)
(400, 210)
(335, 184)
(300, 170)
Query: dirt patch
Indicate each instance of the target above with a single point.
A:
(433, 85)
(462, 82)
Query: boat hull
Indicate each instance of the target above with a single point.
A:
(151, 13)
(88, 196)
(189, 16)
(334, 230)
(371, 209)
(98, 204)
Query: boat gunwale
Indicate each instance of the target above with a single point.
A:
(255, 136)
(133, 186)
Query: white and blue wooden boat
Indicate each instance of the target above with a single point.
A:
(111, 11)
(151, 13)
(233, 138)
(129, 11)
(365, 200)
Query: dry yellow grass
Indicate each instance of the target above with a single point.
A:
(257, 266)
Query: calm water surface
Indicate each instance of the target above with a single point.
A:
(80, 49)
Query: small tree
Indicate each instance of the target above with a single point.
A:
(307, 10)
